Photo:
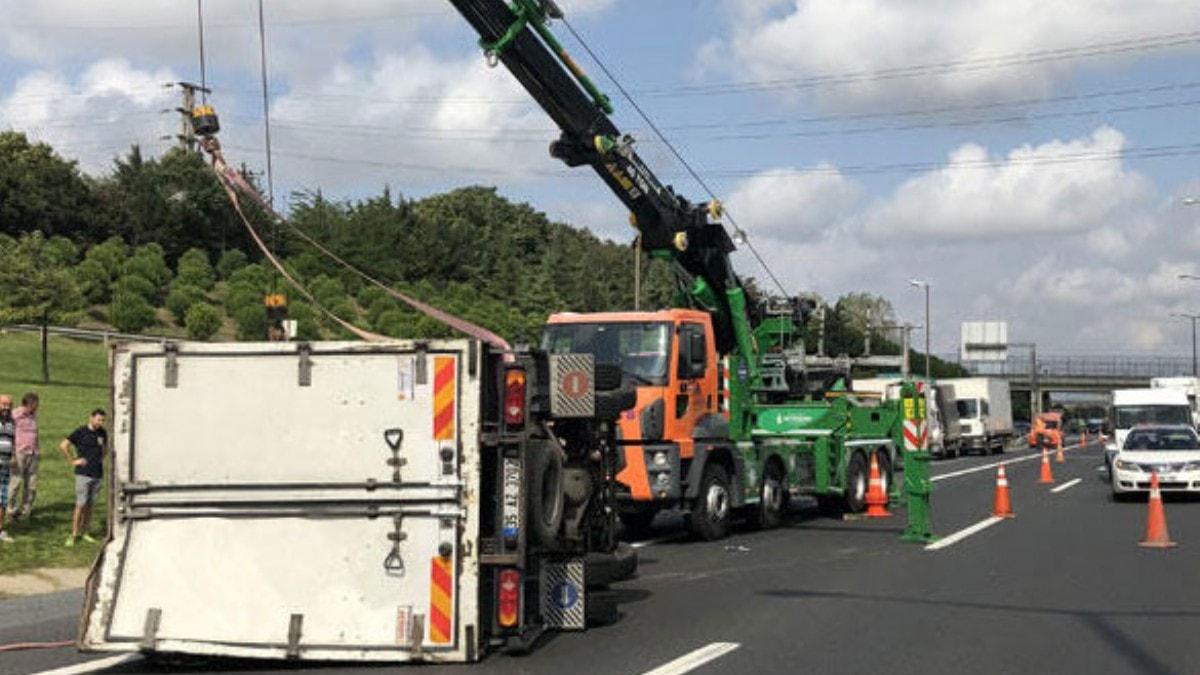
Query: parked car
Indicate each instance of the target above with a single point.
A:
(1170, 450)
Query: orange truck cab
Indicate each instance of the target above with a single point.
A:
(1048, 427)
(679, 424)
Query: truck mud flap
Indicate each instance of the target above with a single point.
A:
(563, 594)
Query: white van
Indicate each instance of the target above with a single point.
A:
(1132, 407)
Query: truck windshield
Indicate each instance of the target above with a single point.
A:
(643, 350)
(968, 408)
(1129, 416)
(1161, 439)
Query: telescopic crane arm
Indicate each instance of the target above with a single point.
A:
(516, 34)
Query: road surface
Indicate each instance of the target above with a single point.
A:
(1061, 588)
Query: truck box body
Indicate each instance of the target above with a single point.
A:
(307, 502)
(1190, 386)
(942, 415)
(984, 411)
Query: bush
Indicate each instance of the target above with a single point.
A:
(203, 321)
(181, 298)
(328, 291)
(133, 284)
(93, 281)
(230, 262)
(148, 262)
(251, 322)
(130, 312)
(193, 269)
(252, 275)
(61, 251)
(110, 255)
(394, 323)
(306, 321)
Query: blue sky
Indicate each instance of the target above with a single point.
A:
(1026, 193)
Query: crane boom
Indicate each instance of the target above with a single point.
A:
(516, 34)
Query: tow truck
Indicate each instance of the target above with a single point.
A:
(728, 418)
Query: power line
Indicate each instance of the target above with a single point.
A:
(200, 36)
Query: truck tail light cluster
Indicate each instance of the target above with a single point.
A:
(514, 398)
(508, 597)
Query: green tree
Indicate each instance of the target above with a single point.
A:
(182, 298)
(130, 312)
(93, 281)
(194, 269)
(42, 192)
(230, 262)
(35, 290)
(203, 321)
(135, 284)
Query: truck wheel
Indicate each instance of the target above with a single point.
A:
(709, 519)
(544, 464)
(768, 513)
(885, 471)
(638, 522)
(857, 475)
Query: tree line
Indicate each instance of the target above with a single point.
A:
(153, 246)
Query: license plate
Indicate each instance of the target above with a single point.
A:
(511, 514)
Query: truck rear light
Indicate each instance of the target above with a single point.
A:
(514, 397)
(508, 597)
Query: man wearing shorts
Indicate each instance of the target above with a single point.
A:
(89, 441)
(8, 448)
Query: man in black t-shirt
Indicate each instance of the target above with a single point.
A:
(90, 441)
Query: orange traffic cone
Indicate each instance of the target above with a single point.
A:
(877, 498)
(1047, 476)
(1058, 452)
(1156, 519)
(1083, 439)
(1002, 506)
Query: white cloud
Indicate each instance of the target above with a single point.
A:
(109, 107)
(787, 204)
(783, 40)
(1031, 190)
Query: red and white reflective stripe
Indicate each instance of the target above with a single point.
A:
(1001, 478)
(915, 434)
(725, 385)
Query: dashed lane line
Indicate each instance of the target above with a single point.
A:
(694, 659)
(1068, 485)
(985, 467)
(952, 539)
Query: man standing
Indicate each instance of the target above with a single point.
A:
(89, 441)
(25, 463)
(8, 445)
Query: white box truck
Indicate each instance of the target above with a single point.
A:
(407, 501)
(1189, 385)
(984, 412)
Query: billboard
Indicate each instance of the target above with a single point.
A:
(984, 341)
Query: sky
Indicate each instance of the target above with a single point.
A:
(1030, 159)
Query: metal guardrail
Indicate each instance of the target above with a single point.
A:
(1098, 366)
(94, 335)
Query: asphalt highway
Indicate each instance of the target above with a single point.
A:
(1060, 588)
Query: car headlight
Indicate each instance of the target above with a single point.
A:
(660, 459)
(1127, 466)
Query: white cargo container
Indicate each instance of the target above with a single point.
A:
(1189, 385)
(337, 501)
(984, 412)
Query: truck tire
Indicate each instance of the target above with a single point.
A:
(605, 569)
(709, 519)
(885, 471)
(544, 464)
(857, 475)
(767, 514)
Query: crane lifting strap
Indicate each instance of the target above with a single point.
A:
(235, 184)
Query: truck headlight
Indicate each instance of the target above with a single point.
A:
(660, 460)
(662, 479)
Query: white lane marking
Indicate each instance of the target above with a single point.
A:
(952, 539)
(91, 666)
(985, 467)
(1068, 485)
(695, 659)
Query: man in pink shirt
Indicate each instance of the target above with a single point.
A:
(25, 460)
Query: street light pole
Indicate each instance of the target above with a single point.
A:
(917, 283)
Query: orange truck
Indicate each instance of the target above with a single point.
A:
(1047, 428)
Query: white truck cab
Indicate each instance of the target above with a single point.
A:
(1132, 407)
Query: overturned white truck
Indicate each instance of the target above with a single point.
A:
(407, 501)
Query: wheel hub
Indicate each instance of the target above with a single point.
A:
(717, 501)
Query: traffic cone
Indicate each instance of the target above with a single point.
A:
(1156, 519)
(1058, 453)
(1083, 439)
(1002, 506)
(877, 499)
(1047, 476)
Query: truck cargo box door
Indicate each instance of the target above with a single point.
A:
(280, 502)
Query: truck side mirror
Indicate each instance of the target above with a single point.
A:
(697, 356)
